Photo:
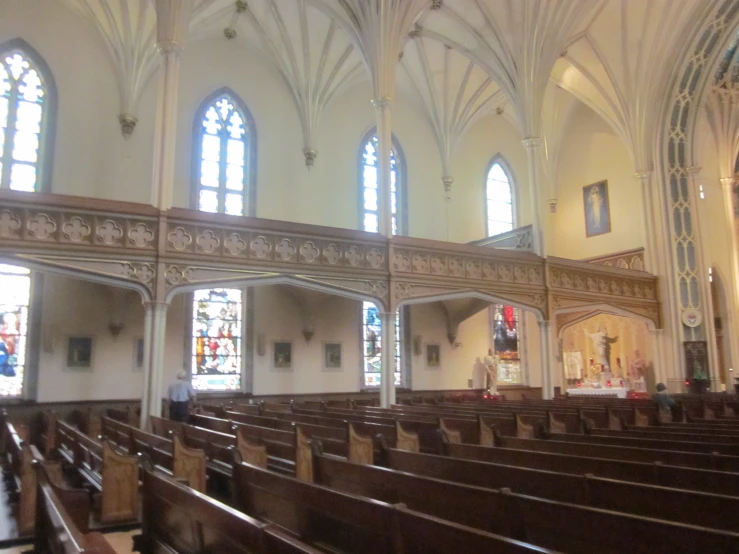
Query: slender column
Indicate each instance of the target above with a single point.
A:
(387, 375)
(532, 153)
(648, 229)
(548, 361)
(730, 330)
(165, 130)
(156, 339)
(148, 320)
(384, 149)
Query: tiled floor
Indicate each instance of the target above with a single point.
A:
(121, 543)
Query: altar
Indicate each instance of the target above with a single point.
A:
(620, 392)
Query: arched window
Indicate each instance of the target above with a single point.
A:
(504, 320)
(27, 96)
(224, 163)
(370, 217)
(498, 201)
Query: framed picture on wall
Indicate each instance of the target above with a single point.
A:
(332, 356)
(433, 356)
(696, 360)
(138, 354)
(282, 354)
(79, 353)
(597, 209)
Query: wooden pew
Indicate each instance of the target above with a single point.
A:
(503, 512)
(176, 519)
(21, 459)
(110, 475)
(170, 456)
(671, 457)
(341, 522)
(717, 482)
(61, 522)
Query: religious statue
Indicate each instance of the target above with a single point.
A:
(492, 369)
(479, 372)
(602, 345)
(638, 373)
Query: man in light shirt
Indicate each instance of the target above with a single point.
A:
(179, 395)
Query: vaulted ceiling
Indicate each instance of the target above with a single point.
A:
(460, 59)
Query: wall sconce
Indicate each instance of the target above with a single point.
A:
(260, 344)
(308, 334)
(417, 345)
(115, 329)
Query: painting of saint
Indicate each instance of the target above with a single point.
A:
(597, 209)
(283, 353)
(433, 355)
(332, 355)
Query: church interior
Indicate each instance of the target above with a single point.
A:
(373, 276)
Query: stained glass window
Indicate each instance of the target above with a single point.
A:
(223, 157)
(371, 324)
(224, 140)
(216, 340)
(504, 319)
(15, 286)
(23, 113)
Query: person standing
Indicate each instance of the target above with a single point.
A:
(179, 395)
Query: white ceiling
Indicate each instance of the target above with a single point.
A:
(463, 59)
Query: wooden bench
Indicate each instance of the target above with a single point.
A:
(503, 512)
(176, 519)
(111, 476)
(61, 522)
(341, 522)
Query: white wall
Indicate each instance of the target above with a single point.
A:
(591, 152)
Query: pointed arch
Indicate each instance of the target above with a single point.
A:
(223, 176)
(28, 104)
(224, 164)
(399, 168)
(500, 197)
(28, 97)
(369, 215)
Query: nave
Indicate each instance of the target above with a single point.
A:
(442, 473)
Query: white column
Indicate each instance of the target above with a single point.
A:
(731, 289)
(384, 149)
(148, 322)
(648, 229)
(157, 316)
(387, 375)
(165, 130)
(532, 153)
(548, 360)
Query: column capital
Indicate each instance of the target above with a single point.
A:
(693, 170)
(531, 142)
(727, 182)
(448, 181)
(155, 305)
(165, 47)
(642, 174)
(381, 103)
(553, 205)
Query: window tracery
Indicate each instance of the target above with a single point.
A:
(504, 320)
(224, 141)
(24, 114)
(371, 324)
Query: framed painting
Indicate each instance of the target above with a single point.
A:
(332, 356)
(597, 209)
(433, 356)
(696, 360)
(79, 353)
(282, 355)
